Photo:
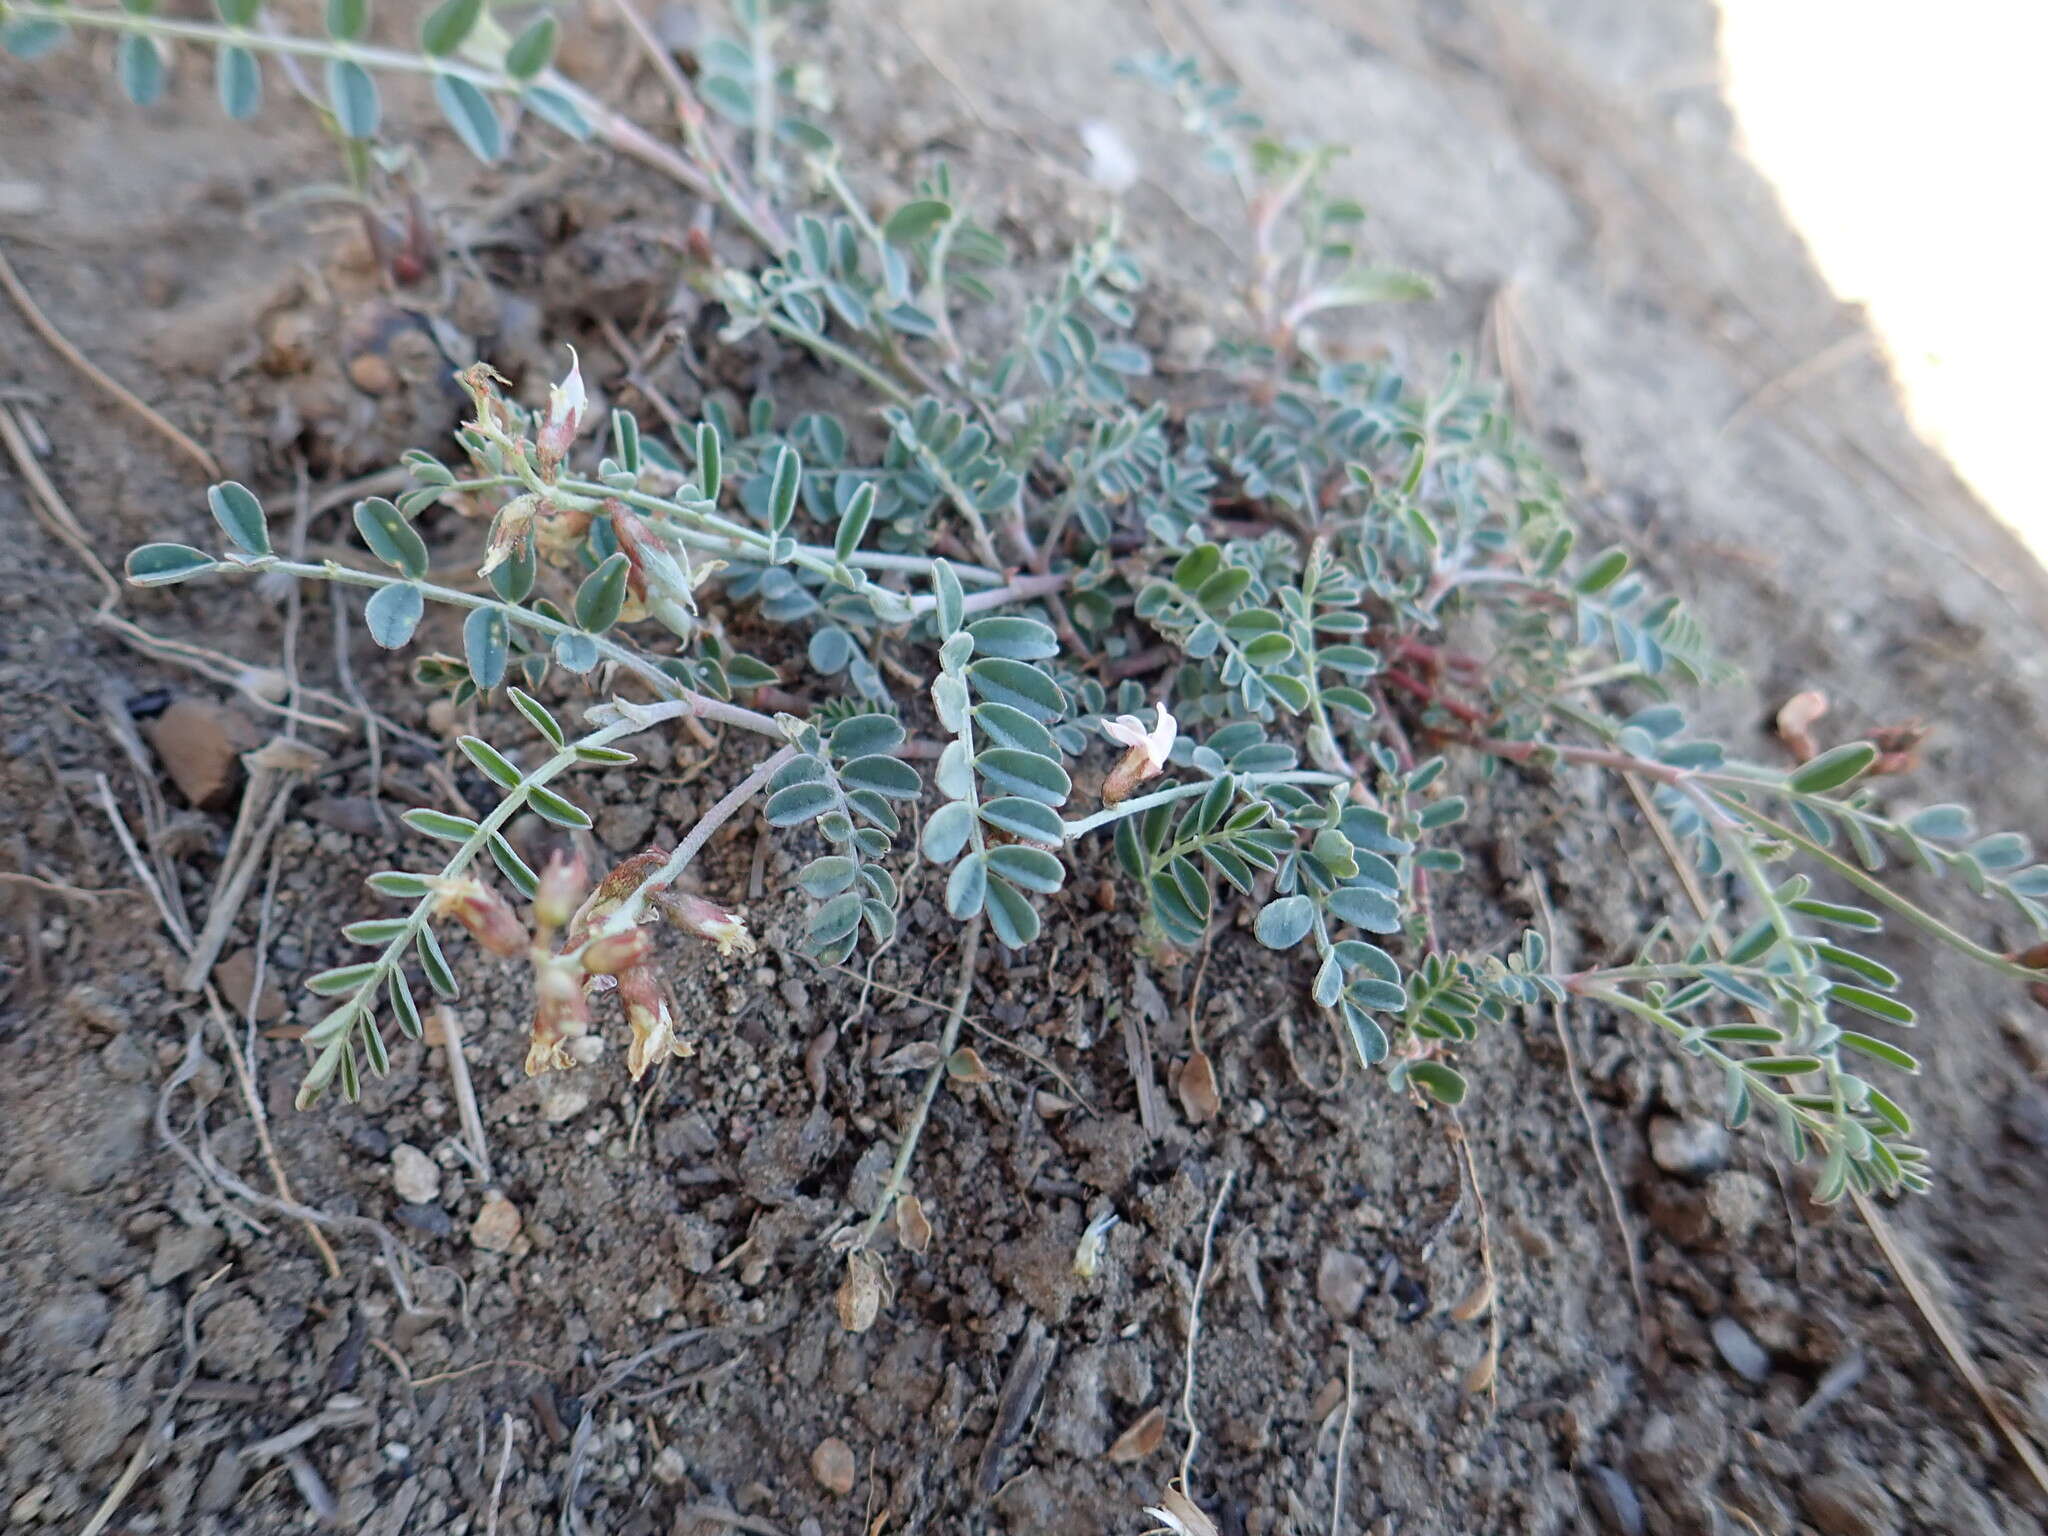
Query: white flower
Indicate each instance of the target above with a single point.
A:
(1146, 754)
(1157, 743)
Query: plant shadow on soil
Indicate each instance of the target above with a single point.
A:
(1600, 234)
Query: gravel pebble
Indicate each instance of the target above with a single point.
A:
(414, 1175)
(1740, 1351)
(1849, 1503)
(496, 1227)
(833, 1466)
(1614, 1501)
(1340, 1283)
(1691, 1148)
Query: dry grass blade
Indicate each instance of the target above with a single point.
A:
(52, 511)
(1187, 1386)
(63, 347)
(1949, 1335)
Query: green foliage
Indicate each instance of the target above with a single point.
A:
(1293, 566)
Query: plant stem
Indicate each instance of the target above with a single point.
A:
(1926, 921)
(360, 1008)
(621, 132)
(347, 575)
(1111, 813)
(1017, 590)
(830, 350)
(627, 913)
(949, 1039)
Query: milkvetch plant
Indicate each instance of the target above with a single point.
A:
(1264, 645)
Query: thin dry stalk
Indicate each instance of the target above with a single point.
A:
(1187, 1386)
(247, 1081)
(52, 511)
(160, 1435)
(173, 919)
(465, 1093)
(1464, 1146)
(1344, 1438)
(899, 1172)
(498, 1482)
(1560, 1017)
(63, 347)
(274, 771)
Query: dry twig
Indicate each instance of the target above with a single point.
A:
(63, 347)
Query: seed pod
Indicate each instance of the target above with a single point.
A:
(913, 1230)
(859, 1299)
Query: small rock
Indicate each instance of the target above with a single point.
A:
(1340, 1283)
(623, 828)
(1741, 1352)
(430, 1219)
(1693, 1148)
(99, 1411)
(69, 1326)
(1849, 1503)
(563, 1096)
(414, 1175)
(671, 1467)
(223, 1482)
(2027, 1116)
(1614, 1501)
(832, 1465)
(201, 743)
(236, 978)
(95, 1253)
(1738, 1202)
(88, 1156)
(242, 1341)
(353, 814)
(496, 1227)
(180, 1250)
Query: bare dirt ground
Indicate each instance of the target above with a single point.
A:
(656, 1350)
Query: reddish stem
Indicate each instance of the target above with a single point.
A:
(1408, 683)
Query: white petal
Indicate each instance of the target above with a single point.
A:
(1126, 729)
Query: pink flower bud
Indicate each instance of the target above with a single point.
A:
(564, 883)
(617, 953)
(707, 920)
(487, 915)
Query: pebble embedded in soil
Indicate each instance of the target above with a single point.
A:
(1692, 1148)
(496, 1227)
(200, 743)
(1614, 1501)
(180, 1250)
(832, 1465)
(563, 1096)
(1341, 1279)
(414, 1175)
(236, 978)
(1849, 1503)
(1740, 1351)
